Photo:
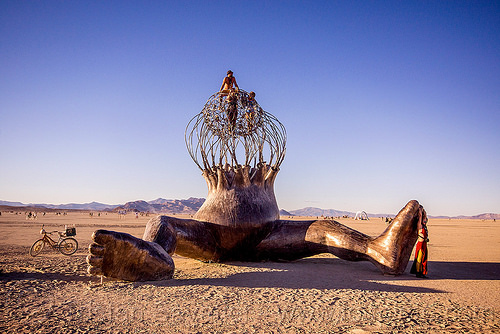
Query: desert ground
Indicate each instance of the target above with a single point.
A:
(52, 293)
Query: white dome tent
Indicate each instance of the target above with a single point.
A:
(361, 215)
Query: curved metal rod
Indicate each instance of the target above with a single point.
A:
(233, 129)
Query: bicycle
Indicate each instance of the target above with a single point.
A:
(65, 244)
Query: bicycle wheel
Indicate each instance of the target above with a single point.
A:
(37, 247)
(68, 246)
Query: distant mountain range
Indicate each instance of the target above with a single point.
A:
(192, 204)
(93, 206)
(310, 212)
(161, 205)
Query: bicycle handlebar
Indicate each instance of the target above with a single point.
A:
(51, 232)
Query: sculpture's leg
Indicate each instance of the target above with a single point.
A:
(390, 251)
(187, 237)
(123, 256)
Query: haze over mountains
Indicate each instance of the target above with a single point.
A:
(93, 206)
(192, 204)
(161, 205)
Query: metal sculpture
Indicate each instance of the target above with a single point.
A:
(239, 148)
(361, 215)
(214, 136)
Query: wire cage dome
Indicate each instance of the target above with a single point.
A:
(233, 130)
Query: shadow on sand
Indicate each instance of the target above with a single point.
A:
(464, 270)
(310, 273)
(332, 273)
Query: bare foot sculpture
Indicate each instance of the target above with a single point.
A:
(240, 218)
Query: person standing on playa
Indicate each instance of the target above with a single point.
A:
(419, 266)
(227, 84)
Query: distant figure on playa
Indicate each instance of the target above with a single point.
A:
(419, 266)
(228, 83)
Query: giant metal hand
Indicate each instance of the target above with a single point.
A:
(239, 148)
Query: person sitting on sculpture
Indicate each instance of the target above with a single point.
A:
(227, 84)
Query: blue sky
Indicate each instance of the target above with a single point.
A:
(383, 101)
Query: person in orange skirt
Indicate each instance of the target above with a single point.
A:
(419, 266)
